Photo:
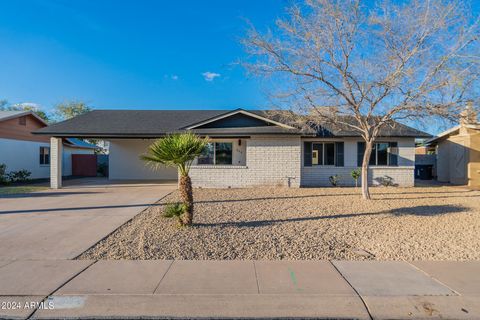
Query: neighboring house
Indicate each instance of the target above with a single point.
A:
(425, 162)
(458, 152)
(20, 149)
(248, 148)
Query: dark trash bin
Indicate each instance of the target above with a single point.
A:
(424, 171)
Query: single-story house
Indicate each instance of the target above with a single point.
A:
(22, 150)
(248, 148)
(458, 152)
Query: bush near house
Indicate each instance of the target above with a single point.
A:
(13, 176)
(356, 175)
(334, 180)
(3, 170)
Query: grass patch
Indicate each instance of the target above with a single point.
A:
(21, 189)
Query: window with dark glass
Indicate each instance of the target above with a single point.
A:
(223, 153)
(44, 155)
(329, 149)
(216, 153)
(323, 154)
(373, 156)
(380, 154)
(208, 155)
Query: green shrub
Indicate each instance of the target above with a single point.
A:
(334, 180)
(18, 176)
(13, 176)
(356, 173)
(3, 174)
(175, 210)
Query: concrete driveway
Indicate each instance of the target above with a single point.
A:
(61, 224)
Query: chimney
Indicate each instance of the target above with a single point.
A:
(469, 115)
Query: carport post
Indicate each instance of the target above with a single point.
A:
(56, 155)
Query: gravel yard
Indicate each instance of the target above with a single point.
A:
(422, 223)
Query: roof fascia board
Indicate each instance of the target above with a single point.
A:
(231, 113)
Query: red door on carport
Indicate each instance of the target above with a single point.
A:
(84, 165)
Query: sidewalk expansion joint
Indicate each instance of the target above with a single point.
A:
(163, 277)
(59, 287)
(432, 277)
(353, 288)
(256, 277)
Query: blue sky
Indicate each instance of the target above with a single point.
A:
(120, 54)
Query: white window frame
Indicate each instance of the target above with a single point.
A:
(43, 156)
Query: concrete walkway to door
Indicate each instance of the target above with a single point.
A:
(61, 224)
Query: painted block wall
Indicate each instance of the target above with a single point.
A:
(21, 154)
(125, 164)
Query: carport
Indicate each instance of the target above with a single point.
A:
(129, 134)
(124, 162)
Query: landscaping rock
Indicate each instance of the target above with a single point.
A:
(432, 223)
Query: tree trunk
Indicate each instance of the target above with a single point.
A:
(365, 163)
(187, 198)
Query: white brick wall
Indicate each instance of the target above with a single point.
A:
(56, 150)
(269, 161)
(319, 176)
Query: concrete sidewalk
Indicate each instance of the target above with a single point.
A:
(239, 289)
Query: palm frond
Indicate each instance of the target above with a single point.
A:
(175, 150)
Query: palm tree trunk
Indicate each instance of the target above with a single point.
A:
(365, 162)
(186, 193)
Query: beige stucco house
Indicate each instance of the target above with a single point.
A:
(458, 152)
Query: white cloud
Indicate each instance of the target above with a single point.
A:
(210, 76)
(174, 77)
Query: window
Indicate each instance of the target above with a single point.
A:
(383, 154)
(44, 155)
(208, 155)
(323, 154)
(223, 153)
(216, 153)
(22, 121)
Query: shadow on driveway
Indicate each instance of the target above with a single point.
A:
(43, 194)
(81, 208)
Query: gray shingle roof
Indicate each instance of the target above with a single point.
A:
(395, 129)
(154, 123)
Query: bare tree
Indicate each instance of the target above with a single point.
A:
(364, 68)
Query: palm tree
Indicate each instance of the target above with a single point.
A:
(178, 150)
